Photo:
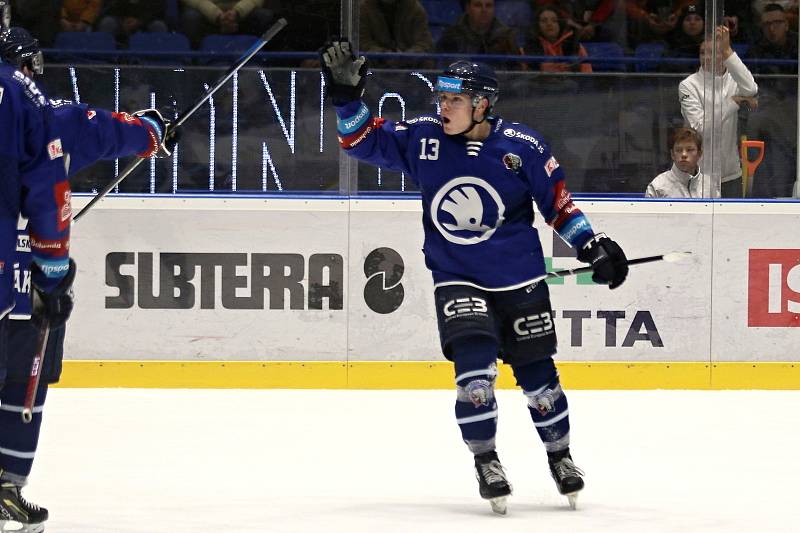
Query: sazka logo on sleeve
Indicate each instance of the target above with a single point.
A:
(467, 210)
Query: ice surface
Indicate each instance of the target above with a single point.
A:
(196, 461)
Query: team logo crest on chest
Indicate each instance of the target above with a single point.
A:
(467, 210)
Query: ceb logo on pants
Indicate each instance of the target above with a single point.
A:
(774, 288)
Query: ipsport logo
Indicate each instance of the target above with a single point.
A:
(773, 292)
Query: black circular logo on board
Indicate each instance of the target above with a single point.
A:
(383, 292)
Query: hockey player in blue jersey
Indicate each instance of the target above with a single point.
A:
(86, 135)
(477, 175)
(32, 183)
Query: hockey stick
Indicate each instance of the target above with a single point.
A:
(671, 257)
(36, 373)
(184, 116)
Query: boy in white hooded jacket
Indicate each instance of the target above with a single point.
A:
(684, 179)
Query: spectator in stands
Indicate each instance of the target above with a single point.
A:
(777, 42)
(572, 13)
(123, 18)
(684, 179)
(603, 22)
(790, 7)
(394, 26)
(203, 17)
(649, 21)
(685, 40)
(40, 17)
(79, 15)
(733, 88)
(548, 36)
(478, 31)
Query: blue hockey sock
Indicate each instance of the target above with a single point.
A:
(547, 403)
(475, 361)
(18, 440)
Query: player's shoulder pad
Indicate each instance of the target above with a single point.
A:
(421, 121)
(517, 133)
(12, 79)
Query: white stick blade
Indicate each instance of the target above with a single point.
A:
(676, 257)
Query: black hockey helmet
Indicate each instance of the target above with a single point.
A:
(18, 47)
(472, 78)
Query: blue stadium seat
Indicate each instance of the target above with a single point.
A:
(442, 12)
(85, 40)
(80, 45)
(740, 49)
(648, 51)
(515, 13)
(174, 44)
(605, 51)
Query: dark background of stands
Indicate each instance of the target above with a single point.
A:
(609, 131)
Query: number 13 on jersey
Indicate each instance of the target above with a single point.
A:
(429, 149)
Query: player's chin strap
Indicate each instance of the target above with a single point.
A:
(475, 101)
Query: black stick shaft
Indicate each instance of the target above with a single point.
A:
(184, 116)
(35, 373)
(581, 270)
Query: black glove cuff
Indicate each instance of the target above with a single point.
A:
(344, 94)
(592, 251)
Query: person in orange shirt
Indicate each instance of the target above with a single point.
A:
(548, 36)
(79, 15)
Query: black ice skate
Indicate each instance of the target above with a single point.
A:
(568, 477)
(492, 481)
(17, 514)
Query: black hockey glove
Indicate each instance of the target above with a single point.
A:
(53, 307)
(166, 135)
(608, 261)
(345, 75)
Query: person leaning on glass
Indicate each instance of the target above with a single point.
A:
(733, 87)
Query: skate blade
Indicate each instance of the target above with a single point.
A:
(12, 526)
(573, 500)
(499, 504)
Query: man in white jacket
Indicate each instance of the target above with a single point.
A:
(684, 179)
(732, 86)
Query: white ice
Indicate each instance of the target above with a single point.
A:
(196, 461)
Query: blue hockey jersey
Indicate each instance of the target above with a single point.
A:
(477, 196)
(32, 183)
(87, 135)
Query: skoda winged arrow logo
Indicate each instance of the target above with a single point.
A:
(467, 210)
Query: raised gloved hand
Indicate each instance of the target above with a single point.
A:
(166, 137)
(53, 307)
(608, 261)
(345, 75)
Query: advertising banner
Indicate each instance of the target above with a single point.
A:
(345, 279)
(756, 282)
(661, 313)
(225, 280)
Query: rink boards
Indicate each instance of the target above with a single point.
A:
(298, 292)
